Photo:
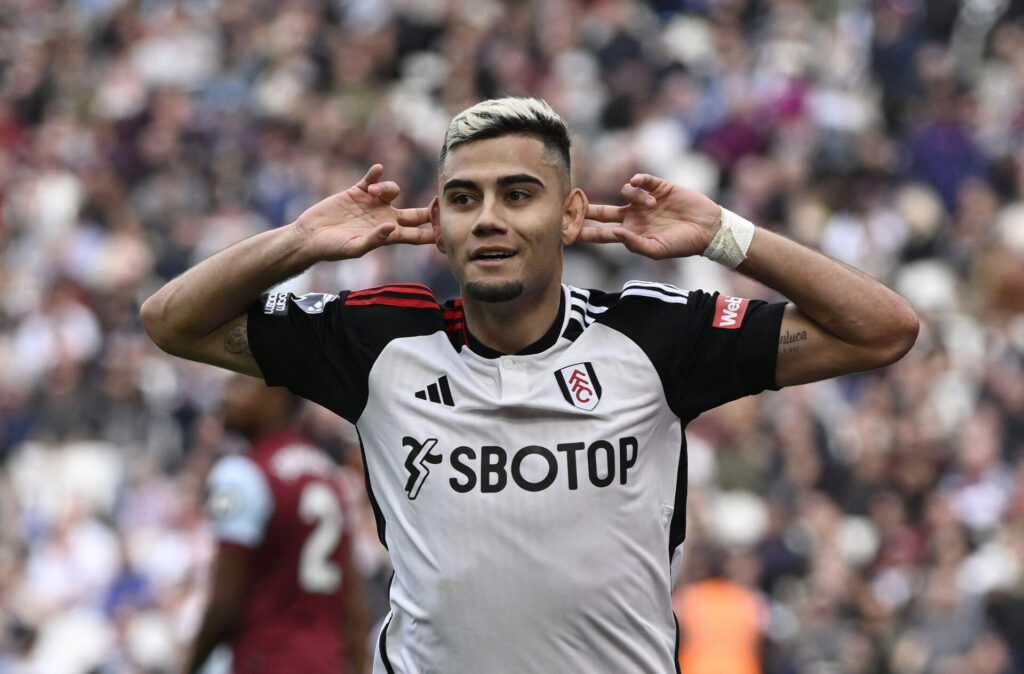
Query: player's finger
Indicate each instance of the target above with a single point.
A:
(372, 176)
(386, 191)
(642, 245)
(598, 234)
(398, 234)
(603, 213)
(376, 237)
(412, 235)
(647, 181)
(412, 217)
(631, 240)
(638, 196)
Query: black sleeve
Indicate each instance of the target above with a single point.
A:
(709, 350)
(322, 346)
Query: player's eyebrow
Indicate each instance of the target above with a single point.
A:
(458, 183)
(503, 181)
(517, 178)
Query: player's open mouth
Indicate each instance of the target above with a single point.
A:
(492, 255)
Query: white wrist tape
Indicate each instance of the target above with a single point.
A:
(729, 247)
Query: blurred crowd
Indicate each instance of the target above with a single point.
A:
(875, 523)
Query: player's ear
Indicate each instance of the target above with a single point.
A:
(574, 210)
(435, 224)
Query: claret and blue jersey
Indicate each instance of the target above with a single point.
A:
(282, 504)
(549, 484)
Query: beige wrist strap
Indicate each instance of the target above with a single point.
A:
(729, 247)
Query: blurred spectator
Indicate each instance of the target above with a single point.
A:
(722, 618)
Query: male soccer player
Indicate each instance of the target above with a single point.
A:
(524, 444)
(283, 591)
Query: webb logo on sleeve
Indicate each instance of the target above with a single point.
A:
(729, 311)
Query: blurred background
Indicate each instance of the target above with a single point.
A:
(875, 522)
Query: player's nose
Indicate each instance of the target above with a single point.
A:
(488, 219)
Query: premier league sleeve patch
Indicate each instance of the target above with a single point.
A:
(276, 304)
(579, 385)
(238, 500)
(223, 503)
(314, 303)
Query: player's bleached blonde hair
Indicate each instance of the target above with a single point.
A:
(509, 116)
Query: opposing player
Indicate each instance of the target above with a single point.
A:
(283, 590)
(524, 444)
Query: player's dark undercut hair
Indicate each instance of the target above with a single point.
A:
(509, 116)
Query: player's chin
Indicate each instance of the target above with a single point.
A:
(494, 291)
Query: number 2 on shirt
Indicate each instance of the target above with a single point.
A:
(317, 571)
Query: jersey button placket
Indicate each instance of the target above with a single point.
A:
(514, 382)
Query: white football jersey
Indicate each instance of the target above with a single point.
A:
(532, 503)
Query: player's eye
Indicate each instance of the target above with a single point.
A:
(461, 199)
(517, 195)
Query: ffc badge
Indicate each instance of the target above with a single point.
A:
(579, 385)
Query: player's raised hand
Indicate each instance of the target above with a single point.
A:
(351, 223)
(660, 219)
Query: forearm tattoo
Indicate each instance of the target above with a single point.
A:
(236, 341)
(790, 341)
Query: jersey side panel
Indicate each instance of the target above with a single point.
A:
(708, 349)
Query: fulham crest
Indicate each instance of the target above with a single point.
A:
(579, 385)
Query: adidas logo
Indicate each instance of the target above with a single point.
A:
(438, 392)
